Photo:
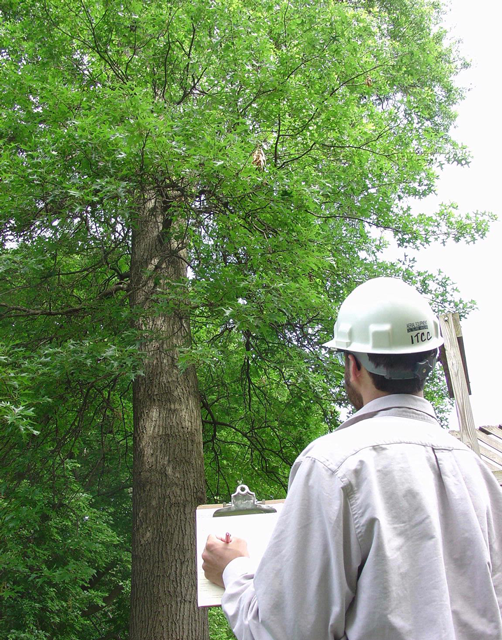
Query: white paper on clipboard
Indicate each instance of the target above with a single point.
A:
(256, 529)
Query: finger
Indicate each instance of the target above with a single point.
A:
(212, 542)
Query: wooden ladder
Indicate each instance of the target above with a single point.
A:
(485, 441)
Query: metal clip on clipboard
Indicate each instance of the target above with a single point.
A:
(243, 502)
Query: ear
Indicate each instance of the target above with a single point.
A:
(354, 368)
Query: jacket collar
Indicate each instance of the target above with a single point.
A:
(394, 404)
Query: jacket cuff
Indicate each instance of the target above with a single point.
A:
(236, 568)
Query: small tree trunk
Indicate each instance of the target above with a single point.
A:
(168, 470)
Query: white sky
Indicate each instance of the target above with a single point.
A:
(476, 268)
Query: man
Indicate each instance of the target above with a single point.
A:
(392, 529)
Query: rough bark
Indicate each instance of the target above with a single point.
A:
(168, 467)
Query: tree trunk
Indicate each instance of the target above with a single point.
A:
(168, 468)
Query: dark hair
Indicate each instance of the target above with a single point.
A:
(405, 362)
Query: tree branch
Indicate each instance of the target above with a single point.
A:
(23, 312)
(94, 608)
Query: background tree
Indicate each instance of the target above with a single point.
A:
(189, 189)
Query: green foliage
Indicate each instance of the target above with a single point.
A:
(59, 564)
(218, 625)
(284, 141)
(63, 553)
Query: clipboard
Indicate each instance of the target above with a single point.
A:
(243, 517)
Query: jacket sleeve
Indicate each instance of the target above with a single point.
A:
(307, 577)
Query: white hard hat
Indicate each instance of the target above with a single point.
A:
(386, 316)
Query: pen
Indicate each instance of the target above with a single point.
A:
(228, 538)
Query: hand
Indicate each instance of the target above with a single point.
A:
(218, 553)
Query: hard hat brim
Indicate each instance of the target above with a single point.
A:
(331, 344)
